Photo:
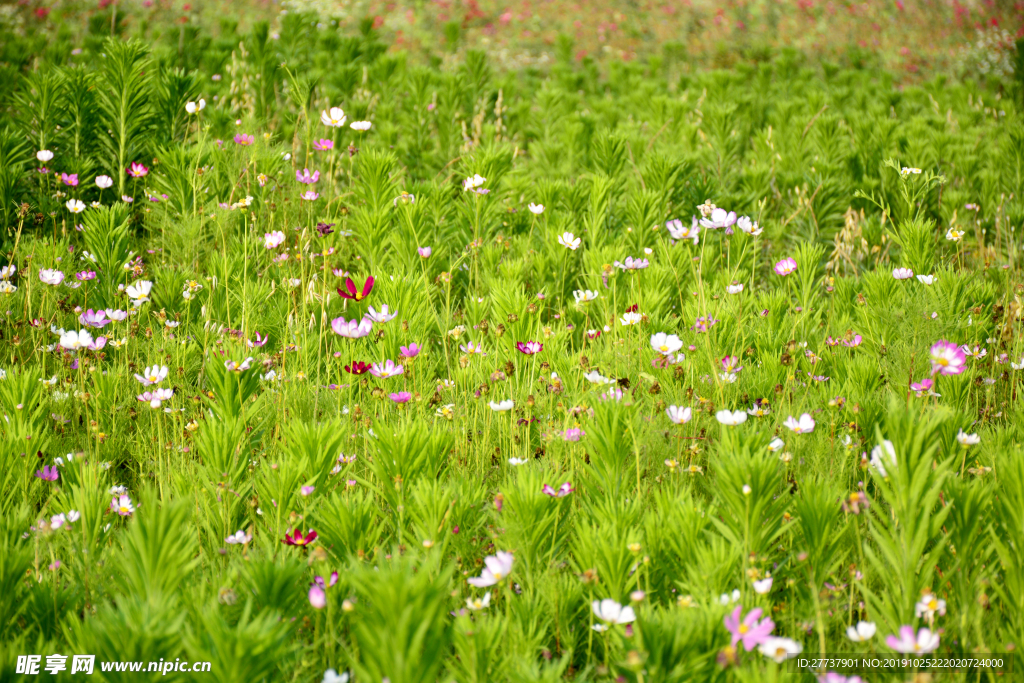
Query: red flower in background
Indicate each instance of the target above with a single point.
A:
(354, 294)
(298, 539)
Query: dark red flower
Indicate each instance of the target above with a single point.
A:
(357, 367)
(298, 539)
(350, 291)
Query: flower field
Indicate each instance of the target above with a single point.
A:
(324, 364)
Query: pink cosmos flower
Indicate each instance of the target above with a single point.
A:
(69, 180)
(352, 329)
(496, 568)
(530, 347)
(425, 252)
(703, 324)
(410, 351)
(947, 358)
(122, 505)
(386, 369)
(749, 630)
(310, 196)
(137, 170)
(307, 490)
(85, 275)
(401, 397)
(260, 341)
(852, 343)
(47, 473)
(720, 218)
(922, 386)
(305, 178)
(574, 434)
(563, 490)
(925, 641)
(244, 140)
(323, 145)
(680, 232)
(91, 318)
(730, 364)
(785, 267)
(317, 597)
(902, 273)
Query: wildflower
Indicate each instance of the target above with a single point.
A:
(631, 318)
(804, 425)
(473, 182)
(926, 279)
(902, 273)
(864, 630)
(536, 209)
(69, 180)
(381, 316)
(678, 415)
(720, 218)
(305, 178)
(907, 643)
(759, 409)
(352, 329)
(928, 606)
(968, 439)
(703, 324)
(360, 126)
(563, 490)
(954, 235)
(410, 351)
(614, 394)
(785, 267)
(569, 241)
(764, 586)
(906, 171)
(780, 649)
(44, 155)
(594, 377)
(883, 456)
(104, 181)
(729, 365)
(476, 604)
(350, 291)
(137, 170)
(75, 206)
(50, 276)
(115, 314)
(385, 370)
(730, 418)
(583, 296)
(298, 539)
(496, 568)
(977, 352)
(236, 366)
(73, 341)
(776, 444)
(611, 612)
(333, 117)
(153, 374)
(750, 227)
(332, 676)
(473, 349)
(947, 358)
(632, 264)
(156, 398)
(238, 538)
(734, 288)
(309, 196)
(680, 232)
(244, 139)
(748, 630)
(666, 344)
(122, 505)
(501, 406)
(574, 434)
(139, 292)
(529, 348)
(317, 597)
(47, 473)
(195, 107)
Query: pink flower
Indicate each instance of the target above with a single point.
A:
(353, 329)
(310, 196)
(137, 170)
(907, 643)
(323, 145)
(410, 351)
(386, 369)
(785, 267)
(924, 385)
(720, 218)
(260, 341)
(496, 568)
(244, 140)
(401, 397)
(749, 630)
(902, 273)
(47, 473)
(563, 490)
(947, 358)
(424, 252)
(317, 597)
(305, 177)
(574, 434)
(97, 319)
(530, 348)
(70, 180)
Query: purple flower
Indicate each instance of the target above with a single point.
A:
(305, 178)
(260, 341)
(47, 473)
(632, 264)
(97, 319)
(703, 324)
(353, 329)
(574, 434)
(401, 396)
(244, 140)
(748, 630)
(317, 597)
(785, 267)
(411, 351)
(947, 358)
(85, 275)
(563, 490)
(307, 490)
(310, 196)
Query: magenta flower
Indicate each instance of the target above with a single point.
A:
(425, 251)
(317, 597)
(925, 641)
(731, 364)
(574, 434)
(47, 473)
(137, 170)
(244, 140)
(785, 267)
(91, 318)
(319, 581)
(563, 490)
(85, 275)
(401, 396)
(305, 178)
(852, 343)
(703, 324)
(924, 385)
(411, 351)
(749, 630)
(947, 358)
(386, 369)
(323, 145)
(307, 490)
(69, 180)
(530, 348)
(260, 341)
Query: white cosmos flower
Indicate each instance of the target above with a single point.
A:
(585, 295)
(73, 341)
(473, 182)
(678, 414)
(763, 586)
(730, 418)
(883, 456)
(776, 444)
(804, 425)
(666, 344)
(139, 292)
(750, 227)
(516, 462)
(536, 209)
(631, 319)
(153, 374)
(780, 649)
(479, 603)
(502, 406)
(926, 279)
(966, 439)
(333, 117)
(611, 612)
(496, 568)
(864, 630)
(360, 126)
(594, 377)
(193, 107)
(104, 181)
(75, 205)
(734, 288)
(44, 155)
(902, 273)
(50, 276)
(569, 241)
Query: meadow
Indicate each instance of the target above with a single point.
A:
(323, 361)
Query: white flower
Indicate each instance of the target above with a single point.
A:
(333, 117)
(730, 418)
(569, 241)
(926, 279)
(631, 319)
(104, 181)
(968, 439)
(883, 456)
(360, 125)
(750, 227)
(734, 288)
(7, 288)
(75, 205)
(666, 344)
(764, 586)
(478, 603)
(902, 273)
(729, 598)
(153, 374)
(193, 107)
(516, 462)
(473, 182)
(536, 209)
(44, 155)
(594, 377)
(51, 276)
(611, 612)
(585, 295)
(139, 292)
(776, 444)
(238, 538)
(502, 406)
(7, 272)
(780, 649)
(954, 235)
(381, 316)
(679, 415)
(74, 341)
(273, 240)
(804, 425)
(929, 606)
(73, 516)
(332, 676)
(496, 568)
